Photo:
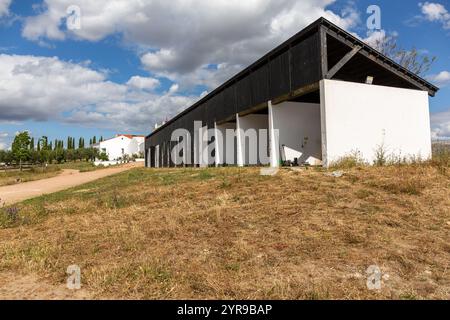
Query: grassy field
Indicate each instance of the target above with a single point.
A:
(39, 173)
(14, 177)
(231, 233)
(81, 166)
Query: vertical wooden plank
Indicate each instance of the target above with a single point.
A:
(323, 52)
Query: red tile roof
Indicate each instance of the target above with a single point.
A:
(130, 136)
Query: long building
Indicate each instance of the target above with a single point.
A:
(320, 96)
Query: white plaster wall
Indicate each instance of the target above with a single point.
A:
(114, 146)
(251, 153)
(299, 130)
(360, 117)
(140, 141)
(227, 148)
(133, 147)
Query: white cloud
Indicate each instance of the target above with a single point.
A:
(179, 39)
(436, 12)
(4, 7)
(4, 140)
(143, 83)
(374, 38)
(192, 43)
(440, 123)
(441, 79)
(41, 89)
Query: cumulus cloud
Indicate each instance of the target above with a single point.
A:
(181, 39)
(4, 7)
(42, 88)
(374, 38)
(38, 88)
(143, 83)
(441, 79)
(192, 43)
(436, 12)
(4, 140)
(440, 123)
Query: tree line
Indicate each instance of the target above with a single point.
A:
(25, 149)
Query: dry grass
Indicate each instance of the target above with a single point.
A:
(39, 173)
(14, 177)
(233, 234)
(81, 166)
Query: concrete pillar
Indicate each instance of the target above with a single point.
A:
(323, 124)
(157, 156)
(240, 141)
(273, 140)
(177, 152)
(203, 154)
(168, 147)
(218, 146)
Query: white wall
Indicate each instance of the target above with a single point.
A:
(113, 147)
(360, 117)
(299, 130)
(251, 153)
(227, 151)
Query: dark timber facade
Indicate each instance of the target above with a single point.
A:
(291, 72)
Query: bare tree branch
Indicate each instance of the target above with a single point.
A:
(413, 60)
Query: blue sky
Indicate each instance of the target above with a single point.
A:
(134, 63)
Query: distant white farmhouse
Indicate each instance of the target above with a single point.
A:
(121, 145)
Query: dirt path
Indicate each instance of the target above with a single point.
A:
(67, 179)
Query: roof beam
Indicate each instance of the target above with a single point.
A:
(343, 62)
(380, 62)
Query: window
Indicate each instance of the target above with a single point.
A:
(123, 151)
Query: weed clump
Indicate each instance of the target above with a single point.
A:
(9, 216)
(352, 160)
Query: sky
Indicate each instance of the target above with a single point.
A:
(82, 68)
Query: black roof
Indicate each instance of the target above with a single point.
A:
(387, 63)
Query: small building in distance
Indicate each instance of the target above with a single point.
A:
(121, 145)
